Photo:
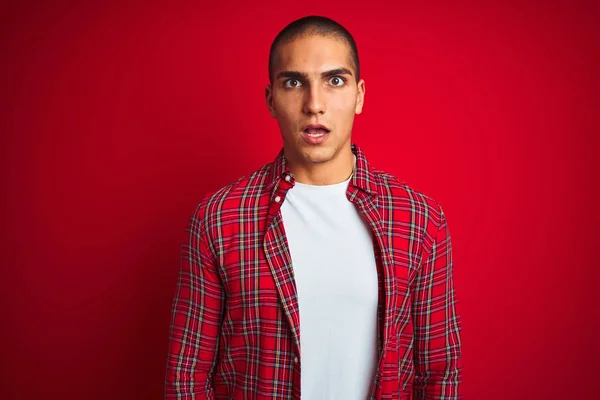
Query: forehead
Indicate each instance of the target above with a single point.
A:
(313, 53)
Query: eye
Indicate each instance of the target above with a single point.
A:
(336, 81)
(292, 83)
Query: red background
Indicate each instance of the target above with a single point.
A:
(116, 119)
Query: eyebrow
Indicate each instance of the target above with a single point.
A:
(302, 75)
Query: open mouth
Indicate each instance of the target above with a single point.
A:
(316, 132)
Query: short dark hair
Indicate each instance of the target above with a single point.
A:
(316, 25)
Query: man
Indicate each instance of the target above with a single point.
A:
(317, 275)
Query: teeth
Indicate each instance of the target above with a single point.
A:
(316, 133)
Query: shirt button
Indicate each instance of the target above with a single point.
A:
(277, 199)
(288, 178)
(295, 360)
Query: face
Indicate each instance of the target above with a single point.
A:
(314, 97)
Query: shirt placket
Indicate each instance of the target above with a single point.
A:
(278, 257)
(367, 206)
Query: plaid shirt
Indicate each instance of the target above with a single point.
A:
(235, 330)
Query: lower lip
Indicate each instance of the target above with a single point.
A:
(315, 139)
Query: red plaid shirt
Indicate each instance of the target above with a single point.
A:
(235, 330)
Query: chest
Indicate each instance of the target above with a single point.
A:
(257, 251)
(332, 253)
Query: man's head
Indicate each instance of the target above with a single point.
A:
(314, 81)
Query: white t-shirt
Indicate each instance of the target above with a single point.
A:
(336, 278)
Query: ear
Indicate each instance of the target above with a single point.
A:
(360, 96)
(269, 99)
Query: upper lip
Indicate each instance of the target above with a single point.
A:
(316, 126)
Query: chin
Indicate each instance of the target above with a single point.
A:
(318, 156)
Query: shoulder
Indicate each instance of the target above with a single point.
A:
(399, 195)
(214, 205)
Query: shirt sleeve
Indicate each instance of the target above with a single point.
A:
(196, 321)
(436, 322)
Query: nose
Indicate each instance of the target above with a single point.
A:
(314, 102)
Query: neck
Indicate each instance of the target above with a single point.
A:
(336, 170)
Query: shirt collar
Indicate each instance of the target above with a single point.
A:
(363, 176)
